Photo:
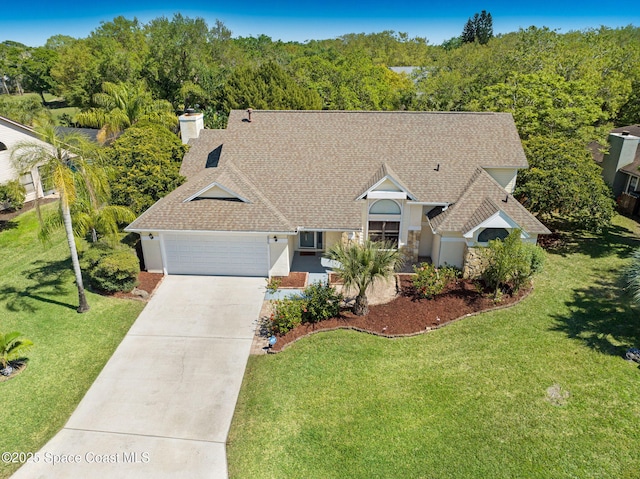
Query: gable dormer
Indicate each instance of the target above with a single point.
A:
(386, 185)
(217, 191)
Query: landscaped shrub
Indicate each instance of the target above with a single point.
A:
(511, 261)
(322, 302)
(287, 314)
(12, 347)
(93, 254)
(12, 195)
(319, 301)
(430, 280)
(116, 271)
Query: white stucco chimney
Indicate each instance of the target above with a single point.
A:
(191, 124)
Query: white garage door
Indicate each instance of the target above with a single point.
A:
(227, 255)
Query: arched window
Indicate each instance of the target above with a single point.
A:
(489, 234)
(385, 207)
(381, 228)
(2, 146)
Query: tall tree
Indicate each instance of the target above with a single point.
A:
(59, 157)
(479, 28)
(563, 180)
(267, 87)
(121, 105)
(37, 70)
(146, 162)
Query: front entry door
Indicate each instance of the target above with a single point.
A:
(311, 239)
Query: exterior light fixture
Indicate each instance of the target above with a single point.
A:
(275, 238)
(150, 235)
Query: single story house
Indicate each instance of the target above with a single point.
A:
(274, 183)
(12, 133)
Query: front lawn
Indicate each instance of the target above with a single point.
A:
(539, 390)
(38, 298)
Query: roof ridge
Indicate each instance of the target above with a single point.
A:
(259, 194)
(380, 112)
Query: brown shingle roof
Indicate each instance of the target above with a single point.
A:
(308, 166)
(482, 198)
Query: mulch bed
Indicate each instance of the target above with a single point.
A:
(408, 315)
(18, 367)
(296, 280)
(147, 282)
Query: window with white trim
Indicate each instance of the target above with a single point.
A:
(633, 184)
(489, 234)
(384, 221)
(27, 182)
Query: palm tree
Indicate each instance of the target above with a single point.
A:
(120, 105)
(58, 158)
(362, 264)
(12, 347)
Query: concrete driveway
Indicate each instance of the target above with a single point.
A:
(163, 404)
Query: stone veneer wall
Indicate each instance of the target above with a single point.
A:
(412, 247)
(345, 237)
(473, 265)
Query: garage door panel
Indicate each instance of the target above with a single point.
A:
(235, 255)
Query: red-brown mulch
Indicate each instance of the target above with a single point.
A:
(408, 315)
(146, 282)
(297, 280)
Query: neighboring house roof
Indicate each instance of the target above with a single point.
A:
(598, 155)
(304, 169)
(631, 169)
(91, 133)
(18, 126)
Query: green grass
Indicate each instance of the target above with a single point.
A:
(38, 298)
(467, 401)
(53, 105)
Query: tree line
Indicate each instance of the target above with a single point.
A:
(564, 90)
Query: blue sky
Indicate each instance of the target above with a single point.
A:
(437, 20)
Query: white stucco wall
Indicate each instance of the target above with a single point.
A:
(291, 239)
(505, 176)
(331, 238)
(152, 253)
(448, 249)
(279, 257)
(11, 135)
(426, 240)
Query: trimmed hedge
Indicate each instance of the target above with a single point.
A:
(112, 270)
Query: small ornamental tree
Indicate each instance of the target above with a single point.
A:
(511, 261)
(362, 264)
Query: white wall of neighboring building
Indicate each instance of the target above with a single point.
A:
(10, 135)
